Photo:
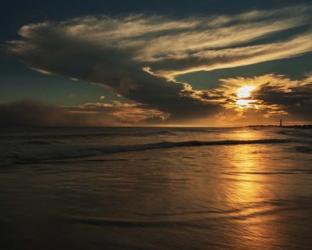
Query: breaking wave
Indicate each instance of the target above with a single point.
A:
(48, 153)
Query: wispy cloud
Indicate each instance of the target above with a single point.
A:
(174, 46)
(139, 56)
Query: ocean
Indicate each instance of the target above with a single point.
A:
(156, 188)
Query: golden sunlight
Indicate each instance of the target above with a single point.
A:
(245, 91)
(243, 96)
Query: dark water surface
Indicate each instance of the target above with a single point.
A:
(156, 188)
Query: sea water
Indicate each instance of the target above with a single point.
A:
(156, 188)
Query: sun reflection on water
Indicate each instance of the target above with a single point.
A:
(248, 194)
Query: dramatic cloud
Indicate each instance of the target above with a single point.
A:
(139, 56)
(271, 96)
(171, 46)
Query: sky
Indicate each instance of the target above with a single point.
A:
(140, 63)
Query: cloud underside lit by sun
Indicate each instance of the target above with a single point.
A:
(140, 56)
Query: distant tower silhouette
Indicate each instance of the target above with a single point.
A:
(281, 123)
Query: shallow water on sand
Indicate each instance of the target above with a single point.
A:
(156, 188)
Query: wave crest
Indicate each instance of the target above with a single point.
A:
(54, 153)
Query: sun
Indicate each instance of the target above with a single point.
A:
(245, 91)
(244, 96)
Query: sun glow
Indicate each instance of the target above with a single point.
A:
(243, 96)
(245, 91)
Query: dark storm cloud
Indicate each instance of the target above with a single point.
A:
(29, 113)
(295, 100)
(53, 50)
(34, 113)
